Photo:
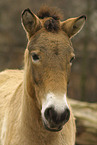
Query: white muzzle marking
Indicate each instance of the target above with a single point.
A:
(59, 103)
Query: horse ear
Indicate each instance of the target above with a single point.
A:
(73, 26)
(30, 22)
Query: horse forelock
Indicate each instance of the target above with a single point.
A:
(53, 12)
(51, 16)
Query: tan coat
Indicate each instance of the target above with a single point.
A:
(23, 94)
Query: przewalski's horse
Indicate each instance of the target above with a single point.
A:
(33, 107)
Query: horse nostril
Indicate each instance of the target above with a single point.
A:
(50, 114)
(65, 115)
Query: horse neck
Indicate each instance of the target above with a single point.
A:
(30, 112)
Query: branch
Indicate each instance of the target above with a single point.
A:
(86, 120)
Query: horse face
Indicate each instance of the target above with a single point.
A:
(48, 60)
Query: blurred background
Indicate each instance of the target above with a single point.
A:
(13, 41)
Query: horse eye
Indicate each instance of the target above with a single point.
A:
(35, 57)
(72, 59)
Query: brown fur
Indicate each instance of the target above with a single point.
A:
(52, 25)
(53, 15)
(22, 92)
(46, 11)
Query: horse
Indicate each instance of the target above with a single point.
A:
(34, 109)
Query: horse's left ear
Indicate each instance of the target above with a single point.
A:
(73, 25)
(30, 22)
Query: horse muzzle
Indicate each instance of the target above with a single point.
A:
(55, 112)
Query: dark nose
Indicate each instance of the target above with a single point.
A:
(57, 118)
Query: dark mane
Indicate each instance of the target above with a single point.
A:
(46, 11)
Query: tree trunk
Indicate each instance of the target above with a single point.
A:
(86, 121)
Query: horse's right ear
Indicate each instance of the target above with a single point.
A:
(30, 22)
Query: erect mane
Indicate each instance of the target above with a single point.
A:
(46, 11)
